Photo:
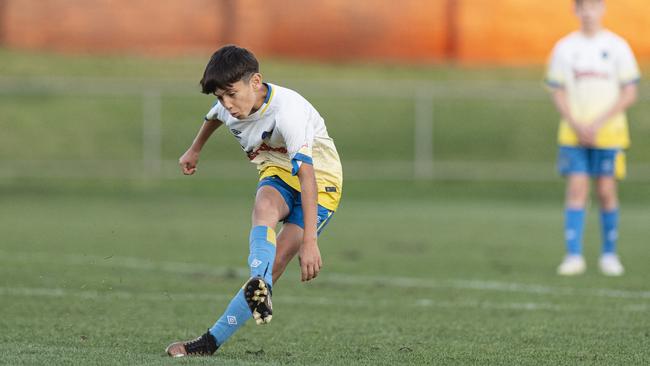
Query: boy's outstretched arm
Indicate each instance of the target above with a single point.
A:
(190, 158)
(309, 254)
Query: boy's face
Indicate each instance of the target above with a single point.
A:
(590, 12)
(241, 97)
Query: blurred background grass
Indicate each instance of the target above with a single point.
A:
(88, 114)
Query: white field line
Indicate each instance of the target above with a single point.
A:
(313, 301)
(140, 264)
(293, 300)
(484, 285)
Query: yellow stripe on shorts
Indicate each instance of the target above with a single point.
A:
(620, 168)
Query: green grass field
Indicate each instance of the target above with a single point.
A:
(111, 272)
(105, 271)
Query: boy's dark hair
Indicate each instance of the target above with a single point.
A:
(579, 2)
(227, 66)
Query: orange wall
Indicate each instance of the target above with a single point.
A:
(512, 31)
(344, 29)
(524, 31)
(487, 31)
(109, 25)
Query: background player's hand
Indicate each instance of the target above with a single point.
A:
(310, 260)
(587, 135)
(188, 162)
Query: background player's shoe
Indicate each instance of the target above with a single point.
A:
(610, 265)
(204, 345)
(258, 297)
(572, 265)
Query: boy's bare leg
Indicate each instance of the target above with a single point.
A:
(577, 191)
(606, 187)
(269, 207)
(289, 241)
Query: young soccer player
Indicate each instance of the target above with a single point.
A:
(593, 76)
(300, 183)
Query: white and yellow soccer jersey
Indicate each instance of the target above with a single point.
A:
(592, 70)
(284, 133)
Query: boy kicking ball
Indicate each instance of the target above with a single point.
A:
(300, 183)
(593, 75)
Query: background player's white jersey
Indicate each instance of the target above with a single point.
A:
(592, 71)
(286, 131)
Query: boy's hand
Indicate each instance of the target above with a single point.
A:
(310, 260)
(587, 135)
(188, 162)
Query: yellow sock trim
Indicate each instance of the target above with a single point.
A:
(270, 236)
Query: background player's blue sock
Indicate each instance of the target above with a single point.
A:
(574, 222)
(236, 314)
(260, 261)
(262, 253)
(609, 226)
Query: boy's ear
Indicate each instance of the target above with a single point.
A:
(256, 81)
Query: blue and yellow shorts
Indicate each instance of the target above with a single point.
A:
(294, 202)
(591, 161)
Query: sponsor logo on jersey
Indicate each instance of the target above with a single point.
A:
(589, 74)
(264, 147)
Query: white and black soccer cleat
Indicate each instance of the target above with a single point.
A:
(258, 298)
(204, 345)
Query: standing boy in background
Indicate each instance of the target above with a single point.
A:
(593, 76)
(300, 183)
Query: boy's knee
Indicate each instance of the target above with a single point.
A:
(577, 195)
(263, 207)
(608, 197)
(605, 193)
(266, 212)
(269, 207)
(606, 187)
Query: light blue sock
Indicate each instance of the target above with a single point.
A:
(262, 253)
(260, 261)
(236, 314)
(609, 226)
(574, 223)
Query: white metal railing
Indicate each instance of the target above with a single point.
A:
(423, 166)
